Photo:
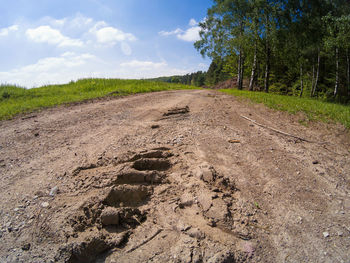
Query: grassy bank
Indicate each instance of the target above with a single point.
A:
(314, 109)
(15, 100)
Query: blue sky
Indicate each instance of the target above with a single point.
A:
(55, 41)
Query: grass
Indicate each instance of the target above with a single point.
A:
(15, 100)
(313, 109)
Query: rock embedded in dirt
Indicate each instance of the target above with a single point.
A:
(110, 216)
(45, 204)
(53, 191)
(26, 246)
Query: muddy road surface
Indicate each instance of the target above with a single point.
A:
(176, 176)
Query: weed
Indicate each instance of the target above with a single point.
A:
(257, 205)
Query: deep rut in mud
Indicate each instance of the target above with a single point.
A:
(133, 192)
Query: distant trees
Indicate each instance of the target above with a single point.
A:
(196, 79)
(292, 46)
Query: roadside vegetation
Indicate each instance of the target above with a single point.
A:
(313, 109)
(15, 100)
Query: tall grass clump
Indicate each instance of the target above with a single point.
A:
(15, 99)
(312, 108)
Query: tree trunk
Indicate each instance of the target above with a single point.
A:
(313, 80)
(268, 54)
(336, 87)
(267, 69)
(348, 71)
(239, 69)
(317, 73)
(240, 61)
(301, 81)
(252, 76)
(242, 72)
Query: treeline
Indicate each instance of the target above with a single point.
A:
(292, 47)
(196, 79)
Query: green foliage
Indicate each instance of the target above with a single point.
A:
(312, 108)
(287, 38)
(279, 88)
(216, 72)
(15, 100)
(194, 79)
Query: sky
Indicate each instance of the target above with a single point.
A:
(55, 41)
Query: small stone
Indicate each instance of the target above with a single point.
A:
(110, 216)
(325, 234)
(26, 246)
(340, 233)
(45, 204)
(16, 209)
(53, 191)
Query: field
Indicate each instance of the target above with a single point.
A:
(15, 100)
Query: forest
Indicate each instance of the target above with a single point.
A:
(298, 48)
(289, 47)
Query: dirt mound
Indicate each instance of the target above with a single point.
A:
(173, 176)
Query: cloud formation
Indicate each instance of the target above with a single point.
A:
(111, 35)
(146, 65)
(46, 34)
(83, 47)
(63, 68)
(7, 30)
(189, 35)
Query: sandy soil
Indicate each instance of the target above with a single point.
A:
(173, 176)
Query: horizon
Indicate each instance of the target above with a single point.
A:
(45, 43)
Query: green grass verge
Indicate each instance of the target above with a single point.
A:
(313, 109)
(15, 100)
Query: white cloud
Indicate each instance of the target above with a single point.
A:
(190, 35)
(48, 70)
(174, 32)
(80, 21)
(46, 34)
(145, 65)
(110, 35)
(5, 31)
(193, 22)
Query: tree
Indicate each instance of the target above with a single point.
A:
(222, 33)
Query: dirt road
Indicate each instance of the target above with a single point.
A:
(173, 176)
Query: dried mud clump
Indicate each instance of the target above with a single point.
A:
(104, 221)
